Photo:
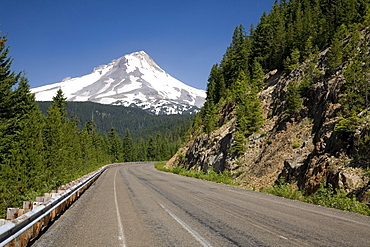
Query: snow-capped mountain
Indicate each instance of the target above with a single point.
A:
(132, 80)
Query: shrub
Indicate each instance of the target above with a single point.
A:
(325, 196)
(222, 177)
(329, 197)
(285, 190)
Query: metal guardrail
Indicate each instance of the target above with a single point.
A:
(20, 231)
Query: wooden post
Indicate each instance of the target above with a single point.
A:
(12, 243)
(47, 219)
(25, 238)
(21, 211)
(53, 214)
(12, 213)
(36, 228)
(27, 205)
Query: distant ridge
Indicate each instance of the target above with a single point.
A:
(140, 123)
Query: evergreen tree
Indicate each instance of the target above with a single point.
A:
(292, 62)
(59, 102)
(279, 44)
(93, 148)
(216, 86)
(129, 151)
(152, 149)
(115, 146)
(236, 57)
(293, 99)
(248, 110)
(351, 49)
(209, 111)
(142, 148)
(262, 40)
(257, 75)
(353, 101)
(21, 160)
(298, 26)
(335, 57)
(60, 142)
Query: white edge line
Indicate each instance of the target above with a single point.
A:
(196, 235)
(121, 236)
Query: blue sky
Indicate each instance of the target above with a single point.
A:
(54, 39)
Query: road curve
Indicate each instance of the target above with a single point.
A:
(136, 205)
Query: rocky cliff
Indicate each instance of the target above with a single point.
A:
(302, 148)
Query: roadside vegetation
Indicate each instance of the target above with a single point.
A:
(325, 196)
(222, 177)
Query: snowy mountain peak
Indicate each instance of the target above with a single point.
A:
(132, 80)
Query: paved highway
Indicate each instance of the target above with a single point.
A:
(136, 205)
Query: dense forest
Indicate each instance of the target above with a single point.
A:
(41, 150)
(287, 107)
(140, 123)
(294, 32)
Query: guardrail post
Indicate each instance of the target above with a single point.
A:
(36, 228)
(27, 205)
(25, 238)
(12, 213)
(12, 243)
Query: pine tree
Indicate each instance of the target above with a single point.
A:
(209, 111)
(257, 75)
(279, 42)
(142, 148)
(92, 150)
(262, 41)
(21, 158)
(129, 150)
(59, 102)
(353, 101)
(335, 57)
(248, 110)
(293, 99)
(216, 85)
(152, 149)
(298, 26)
(115, 146)
(292, 62)
(236, 57)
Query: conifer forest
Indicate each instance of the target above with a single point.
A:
(44, 145)
(293, 33)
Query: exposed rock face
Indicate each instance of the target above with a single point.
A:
(302, 148)
(210, 151)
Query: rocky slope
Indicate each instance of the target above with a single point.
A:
(302, 148)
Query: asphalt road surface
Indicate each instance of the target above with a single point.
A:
(136, 205)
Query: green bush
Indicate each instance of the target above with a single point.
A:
(329, 197)
(325, 196)
(285, 190)
(222, 177)
(347, 125)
